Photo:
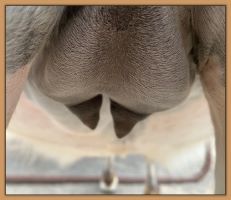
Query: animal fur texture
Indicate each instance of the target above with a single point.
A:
(144, 59)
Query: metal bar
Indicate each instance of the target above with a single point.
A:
(65, 179)
(196, 178)
(126, 180)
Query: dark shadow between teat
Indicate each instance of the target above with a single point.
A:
(124, 119)
(88, 111)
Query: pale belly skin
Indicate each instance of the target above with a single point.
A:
(164, 134)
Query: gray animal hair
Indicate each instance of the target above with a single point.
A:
(27, 30)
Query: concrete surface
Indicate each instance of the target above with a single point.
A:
(21, 160)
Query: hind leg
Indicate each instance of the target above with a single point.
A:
(215, 93)
(209, 30)
(27, 30)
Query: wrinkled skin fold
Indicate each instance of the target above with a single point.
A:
(144, 58)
